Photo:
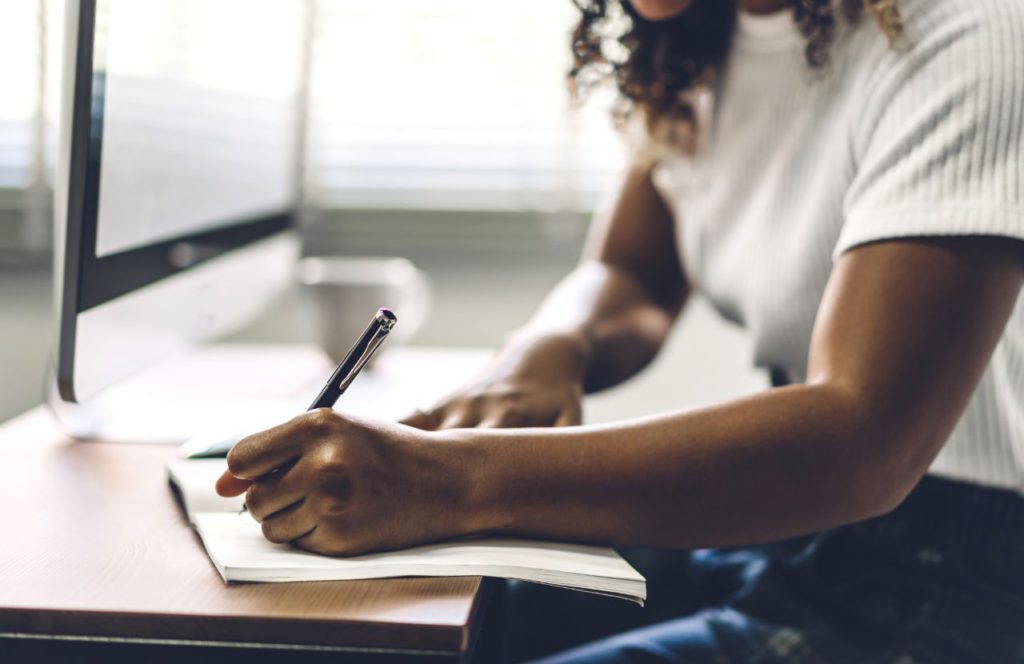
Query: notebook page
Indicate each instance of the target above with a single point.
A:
(238, 549)
(195, 479)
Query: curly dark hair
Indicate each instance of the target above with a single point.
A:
(657, 65)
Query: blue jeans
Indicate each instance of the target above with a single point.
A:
(938, 580)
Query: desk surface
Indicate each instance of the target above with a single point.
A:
(94, 543)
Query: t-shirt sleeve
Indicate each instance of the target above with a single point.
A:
(939, 146)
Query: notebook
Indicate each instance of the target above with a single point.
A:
(238, 550)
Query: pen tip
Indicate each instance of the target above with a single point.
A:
(387, 313)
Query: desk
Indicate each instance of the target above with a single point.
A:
(96, 556)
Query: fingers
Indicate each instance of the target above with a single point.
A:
(461, 419)
(491, 422)
(277, 491)
(497, 412)
(261, 453)
(313, 541)
(517, 416)
(570, 416)
(508, 418)
(423, 419)
(228, 485)
(289, 524)
(320, 540)
(501, 416)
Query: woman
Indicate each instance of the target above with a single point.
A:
(850, 190)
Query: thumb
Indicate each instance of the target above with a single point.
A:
(228, 485)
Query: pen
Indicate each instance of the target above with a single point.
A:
(356, 358)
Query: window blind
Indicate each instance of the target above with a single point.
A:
(29, 42)
(433, 107)
(451, 105)
(19, 118)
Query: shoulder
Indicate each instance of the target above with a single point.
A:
(989, 28)
(953, 53)
(985, 25)
(935, 134)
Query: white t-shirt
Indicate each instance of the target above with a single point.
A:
(800, 165)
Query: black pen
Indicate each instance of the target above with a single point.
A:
(356, 358)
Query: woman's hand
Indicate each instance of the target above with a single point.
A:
(337, 485)
(536, 382)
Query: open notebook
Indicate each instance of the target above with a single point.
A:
(239, 551)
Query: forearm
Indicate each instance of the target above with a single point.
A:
(617, 307)
(785, 462)
(904, 334)
(606, 319)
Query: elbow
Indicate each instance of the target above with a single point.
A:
(876, 496)
(885, 476)
(883, 457)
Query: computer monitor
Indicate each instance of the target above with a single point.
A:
(178, 173)
(178, 177)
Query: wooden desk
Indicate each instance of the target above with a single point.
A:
(94, 549)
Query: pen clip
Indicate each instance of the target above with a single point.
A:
(385, 323)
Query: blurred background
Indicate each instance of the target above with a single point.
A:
(438, 131)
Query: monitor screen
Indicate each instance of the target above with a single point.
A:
(180, 154)
(195, 94)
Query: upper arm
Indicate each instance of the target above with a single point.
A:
(905, 329)
(636, 236)
(929, 261)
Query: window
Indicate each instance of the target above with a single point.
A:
(420, 113)
(21, 128)
(451, 105)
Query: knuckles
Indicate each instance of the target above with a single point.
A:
(326, 539)
(322, 421)
(512, 403)
(332, 460)
(514, 413)
(332, 505)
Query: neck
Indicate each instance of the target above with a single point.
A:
(764, 6)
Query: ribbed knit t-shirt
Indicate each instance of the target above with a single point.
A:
(799, 165)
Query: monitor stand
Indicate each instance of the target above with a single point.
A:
(223, 391)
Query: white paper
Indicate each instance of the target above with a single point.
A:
(236, 545)
(238, 549)
(195, 480)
